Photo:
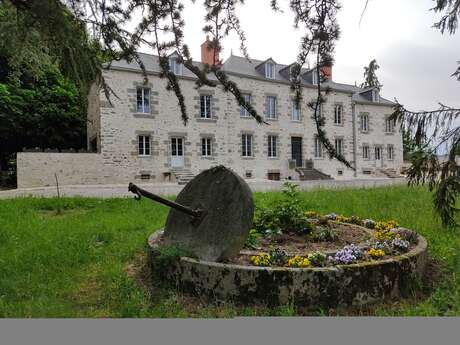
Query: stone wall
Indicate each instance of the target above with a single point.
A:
(36, 169)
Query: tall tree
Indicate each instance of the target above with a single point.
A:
(370, 76)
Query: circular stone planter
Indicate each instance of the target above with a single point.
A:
(326, 287)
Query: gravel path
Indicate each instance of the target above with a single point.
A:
(111, 191)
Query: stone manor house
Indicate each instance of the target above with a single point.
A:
(140, 136)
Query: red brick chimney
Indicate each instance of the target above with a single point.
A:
(326, 71)
(207, 53)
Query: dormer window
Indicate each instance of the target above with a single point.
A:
(175, 66)
(270, 70)
(314, 77)
(375, 95)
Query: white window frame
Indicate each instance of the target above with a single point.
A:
(379, 150)
(375, 95)
(143, 144)
(206, 146)
(389, 125)
(338, 114)
(246, 145)
(144, 107)
(365, 124)
(296, 111)
(338, 144)
(366, 152)
(390, 152)
(270, 70)
(314, 78)
(318, 148)
(270, 111)
(243, 111)
(272, 146)
(175, 66)
(205, 106)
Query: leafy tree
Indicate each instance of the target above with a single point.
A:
(370, 76)
(39, 107)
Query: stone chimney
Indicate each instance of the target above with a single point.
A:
(326, 71)
(207, 53)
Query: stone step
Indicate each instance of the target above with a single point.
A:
(183, 176)
(306, 174)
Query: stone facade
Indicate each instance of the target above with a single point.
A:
(120, 126)
(114, 128)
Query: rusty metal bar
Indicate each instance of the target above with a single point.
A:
(142, 192)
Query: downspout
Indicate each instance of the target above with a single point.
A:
(355, 143)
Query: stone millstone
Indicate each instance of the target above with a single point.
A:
(221, 234)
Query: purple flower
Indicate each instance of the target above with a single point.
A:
(348, 255)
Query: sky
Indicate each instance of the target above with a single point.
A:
(416, 61)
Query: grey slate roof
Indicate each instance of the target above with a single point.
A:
(238, 65)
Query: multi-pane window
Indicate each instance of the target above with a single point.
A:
(314, 77)
(246, 145)
(339, 146)
(175, 66)
(206, 147)
(319, 108)
(366, 152)
(205, 106)
(271, 107)
(295, 111)
(364, 123)
(272, 146)
(389, 125)
(378, 153)
(390, 152)
(375, 95)
(318, 148)
(338, 116)
(243, 111)
(144, 145)
(270, 70)
(143, 100)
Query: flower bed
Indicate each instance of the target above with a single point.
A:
(384, 265)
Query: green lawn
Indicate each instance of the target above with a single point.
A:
(78, 263)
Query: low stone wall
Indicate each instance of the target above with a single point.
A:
(326, 287)
(37, 169)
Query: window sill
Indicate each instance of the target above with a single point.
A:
(389, 133)
(211, 158)
(273, 158)
(247, 158)
(144, 156)
(296, 121)
(271, 119)
(143, 115)
(205, 119)
(339, 124)
(364, 132)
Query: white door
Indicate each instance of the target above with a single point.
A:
(177, 152)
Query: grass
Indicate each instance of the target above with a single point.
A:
(79, 263)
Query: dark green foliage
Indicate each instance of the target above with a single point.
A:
(251, 241)
(370, 76)
(324, 234)
(278, 257)
(285, 215)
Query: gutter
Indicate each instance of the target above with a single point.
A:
(355, 143)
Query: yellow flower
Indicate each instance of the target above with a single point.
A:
(376, 253)
(310, 214)
(263, 259)
(298, 261)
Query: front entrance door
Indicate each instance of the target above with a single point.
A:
(177, 152)
(378, 156)
(296, 149)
